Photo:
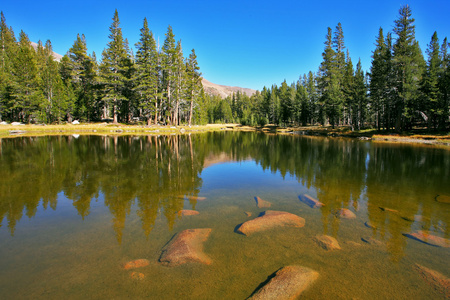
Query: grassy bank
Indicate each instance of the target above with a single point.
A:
(416, 136)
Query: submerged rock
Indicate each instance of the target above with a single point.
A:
(197, 198)
(416, 218)
(370, 225)
(443, 199)
(138, 263)
(187, 212)
(288, 283)
(428, 238)
(260, 203)
(186, 246)
(137, 276)
(310, 201)
(248, 214)
(371, 241)
(388, 209)
(352, 243)
(270, 219)
(345, 213)
(327, 242)
(437, 280)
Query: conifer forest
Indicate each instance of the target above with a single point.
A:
(404, 87)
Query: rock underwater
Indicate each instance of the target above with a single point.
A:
(186, 247)
(310, 201)
(327, 242)
(138, 263)
(260, 203)
(437, 280)
(428, 238)
(345, 213)
(288, 283)
(270, 219)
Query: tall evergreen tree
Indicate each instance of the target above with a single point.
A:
(348, 86)
(180, 79)
(8, 52)
(83, 73)
(147, 73)
(113, 69)
(444, 86)
(25, 87)
(429, 85)
(407, 67)
(194, 85)
(360, 98)
(169, 68)
(377, 78)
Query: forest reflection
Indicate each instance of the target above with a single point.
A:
(154, 171)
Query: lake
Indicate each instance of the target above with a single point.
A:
(75, 209)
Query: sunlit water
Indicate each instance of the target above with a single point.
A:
(73, 210)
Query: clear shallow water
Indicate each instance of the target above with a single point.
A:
(73, 210)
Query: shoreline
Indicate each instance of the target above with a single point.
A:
(10, 131)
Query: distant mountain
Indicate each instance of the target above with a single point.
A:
(55, 55)
(223, 90)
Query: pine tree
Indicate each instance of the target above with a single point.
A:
(313, 98)
(147, 73)
(360, 98)
(429, 85)
(303, 106)
(179, 88)
(83, 73)
(8, 53)
(444, 86)
(112, 70)
(194, 85)
(169, 68)
(377, 78)
(25, 86)
(348, 86)
(407, 67)
(330, 81)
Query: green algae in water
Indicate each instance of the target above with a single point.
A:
(74, 210)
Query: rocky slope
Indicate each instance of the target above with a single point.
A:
(223, 90)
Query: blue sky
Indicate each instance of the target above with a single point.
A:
(238, 43)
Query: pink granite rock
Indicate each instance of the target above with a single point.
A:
(260, 203)
(428, 238)
(443, 199)
(185, 247)
(327, 242)
(187, 212)
(271, 219)
(345, 213)
(288, 283)
(438, 281)
(310, 201)
(134, 264)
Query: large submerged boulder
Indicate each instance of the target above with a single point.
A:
(310, 201)
(186, 247)
(327, 242)
(345, 213)
(428, 238)
(270, 219)
(443, 199)
(437, 280)
(138, 263)
(260, 203)
(187, 212)
(288, 283)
